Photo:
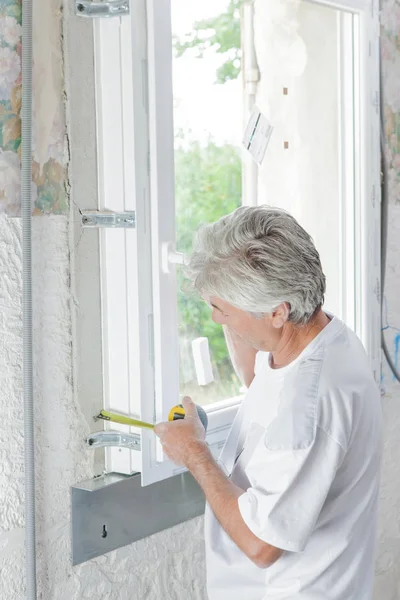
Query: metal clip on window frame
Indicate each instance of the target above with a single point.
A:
(112, 8)
(103, 439)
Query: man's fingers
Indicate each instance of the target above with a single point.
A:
(189, 406)
(160, 429)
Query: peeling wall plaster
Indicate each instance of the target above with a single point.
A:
(50, 154)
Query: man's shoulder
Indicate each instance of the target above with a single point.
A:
(347, 393)
(325, 390)
(294, 425)
(339, 362)
(345, 372)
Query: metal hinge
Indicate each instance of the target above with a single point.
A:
(125, 220)
(150, 326)
(111, 8)
(103, 439)
(376, 101)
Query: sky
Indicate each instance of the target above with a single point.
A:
(201, 106)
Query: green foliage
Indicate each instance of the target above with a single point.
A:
(208, 185)
(220, 33)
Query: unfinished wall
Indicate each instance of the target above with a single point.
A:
(388, 564)
(168, 565)
(49, 142)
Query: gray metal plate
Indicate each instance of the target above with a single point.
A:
(114, 510)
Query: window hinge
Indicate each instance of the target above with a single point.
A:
(102, 439)
(376, 101)
(377, 290)
(148, 162)
(108, 8)
(150, 325)
(124, 220)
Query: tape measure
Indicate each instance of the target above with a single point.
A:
(177, 412)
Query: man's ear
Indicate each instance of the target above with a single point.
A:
(280, 315)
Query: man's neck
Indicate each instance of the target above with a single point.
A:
(296, 338)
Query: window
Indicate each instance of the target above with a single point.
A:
(169, 149)
(208, 117)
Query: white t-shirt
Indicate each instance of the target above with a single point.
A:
(305, 447)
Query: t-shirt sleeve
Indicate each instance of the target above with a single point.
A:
(288, 490)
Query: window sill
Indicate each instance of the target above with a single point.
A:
(112, 511)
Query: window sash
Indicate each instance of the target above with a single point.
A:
(133, 58)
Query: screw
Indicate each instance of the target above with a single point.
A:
(80, 7)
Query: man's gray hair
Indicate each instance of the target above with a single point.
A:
(255, 259)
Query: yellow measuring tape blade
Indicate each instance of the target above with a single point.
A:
(123, 420)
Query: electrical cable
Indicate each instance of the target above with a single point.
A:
(384, 218)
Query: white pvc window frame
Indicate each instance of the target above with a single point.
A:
(362, 222)
(134, 105)
(126, 288)
(360, 172)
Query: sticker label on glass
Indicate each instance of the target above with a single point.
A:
(257, 135)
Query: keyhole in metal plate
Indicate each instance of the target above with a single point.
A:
(104, 532)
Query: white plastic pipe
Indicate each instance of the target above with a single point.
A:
(26, 206)
(251, 75)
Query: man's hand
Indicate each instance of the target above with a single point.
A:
(183, 440)
(243, 356)
(184, 443)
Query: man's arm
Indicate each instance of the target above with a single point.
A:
(222, 496)
(183, 442)
(242, 356)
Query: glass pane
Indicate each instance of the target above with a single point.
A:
(208, 174)
(317, 150)
(308, 94)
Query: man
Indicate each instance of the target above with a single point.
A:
(292, 502)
